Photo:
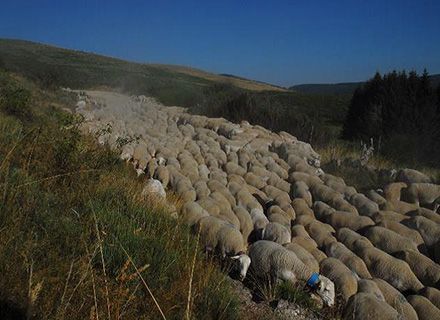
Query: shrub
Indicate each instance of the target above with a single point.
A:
(15, 101)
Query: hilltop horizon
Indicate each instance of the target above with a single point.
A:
(287, 44)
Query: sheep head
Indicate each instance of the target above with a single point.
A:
(326, 290)
(243, 264)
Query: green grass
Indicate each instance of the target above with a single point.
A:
(78, 241)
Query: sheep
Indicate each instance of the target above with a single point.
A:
(384, 266)
(305, 256)
(371, 287)
(301, 190)
(276, 232)
(411, 176)
(432, 295)
(254, 180)
(426, 270)
(401, 207)
(191, 212)
(345, 281)
(202, 190)
(376, 197)
(309, 180)
(353, 262)
(392, 191)
(324, 193)
(341, 219)
(281, 184)
(320, 232)
(429, 230)
(272, 260)
(153, 188)
(387, 240)
(365, 306)
(220, 236)
(423, 194)
(233, 168)
(395, 299)
(259, 220)
(246, 224)
(349, 237)
(215, 186)
(429, 214)
(404, 231)
(424, 308)
(162, 174)
(301, 208)
(388, 216)
(364, 205)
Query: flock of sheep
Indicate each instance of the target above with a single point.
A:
(260, 198)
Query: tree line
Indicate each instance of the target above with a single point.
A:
(400, 113)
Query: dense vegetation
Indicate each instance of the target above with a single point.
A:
(313, 118)
(400, 112)
(77, 240)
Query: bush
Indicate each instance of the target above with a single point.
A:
(15, 101)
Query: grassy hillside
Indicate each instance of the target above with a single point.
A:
(77, 240)
(75, 69)
(342, 88)
(205, 93)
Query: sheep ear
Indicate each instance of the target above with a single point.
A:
(235, 257)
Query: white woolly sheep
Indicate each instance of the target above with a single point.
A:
(153, 188)
(353, 262)
(272, 260)
(384, 266)
(426, 270)
(191, 212)
(371, 287)
(364, 205)
(392, 191)
(365, 306)
(423, 194)
(348, 237)
(424, 308)
(395, 299)
(345, 281)
(429, 230)
(276, 232)
(222, 237)
(432, 295)
(301, 190)
(388, 240)
(305, 256)
(429, 214)
(412, 176)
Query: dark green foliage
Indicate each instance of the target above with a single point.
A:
(400, 112)
(311, 118)
(14, 101)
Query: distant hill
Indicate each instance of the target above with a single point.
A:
(342, 88)
(78, 69)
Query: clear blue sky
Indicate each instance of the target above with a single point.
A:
(282, 42)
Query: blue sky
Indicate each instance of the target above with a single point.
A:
(281, 42)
